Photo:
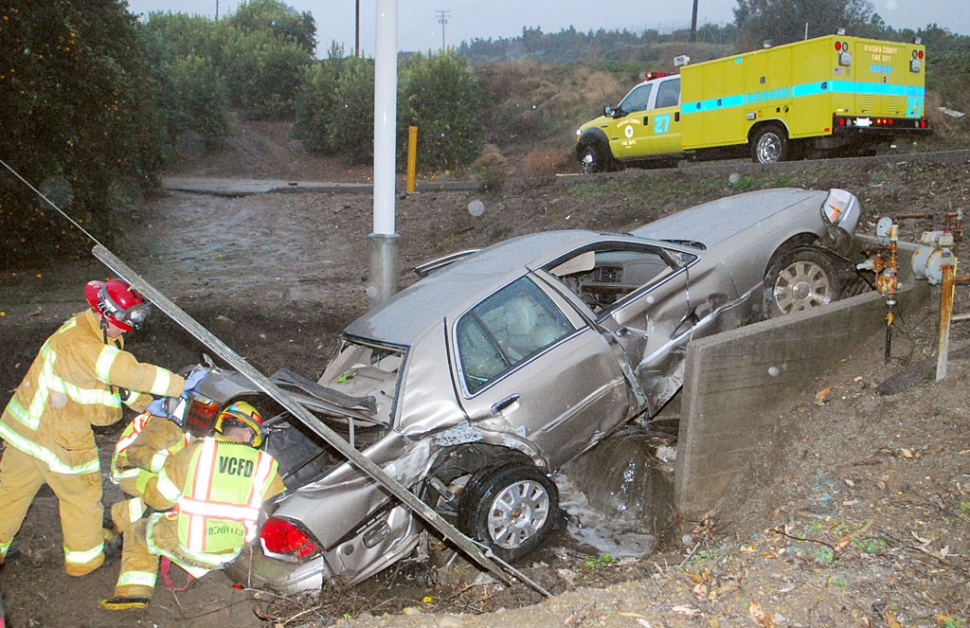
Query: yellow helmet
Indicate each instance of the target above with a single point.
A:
(242, 412)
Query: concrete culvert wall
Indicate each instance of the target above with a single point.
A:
(737, 383)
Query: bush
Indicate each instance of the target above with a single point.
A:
(489, 168)
(445, 100)
(199, 96)
(335, 108)
(265, 74)
(76, 108)
(545, 161)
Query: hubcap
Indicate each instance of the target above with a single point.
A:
(769, 148)
(801, 286)
(518, 513)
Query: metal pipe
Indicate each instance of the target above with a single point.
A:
(946, 310)
(383, 278)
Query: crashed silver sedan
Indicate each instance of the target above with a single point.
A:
(500, 365)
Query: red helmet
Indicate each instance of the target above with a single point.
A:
(118, 302)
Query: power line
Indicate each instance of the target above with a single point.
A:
(443, 19)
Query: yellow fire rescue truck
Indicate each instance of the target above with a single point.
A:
(833, 95)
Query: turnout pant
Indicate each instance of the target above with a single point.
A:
(144, 541)
(79, 500)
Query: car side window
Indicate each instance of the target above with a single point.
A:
(668, 94)
(512, 325)
(637, 99)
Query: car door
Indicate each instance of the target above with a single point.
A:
(661, 121)
(652, 300)
(529, 366)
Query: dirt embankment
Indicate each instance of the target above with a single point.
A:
(860, 504)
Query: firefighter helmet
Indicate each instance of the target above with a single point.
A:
(118, 302)
(241, 413)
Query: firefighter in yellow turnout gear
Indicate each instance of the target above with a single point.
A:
(80, 378)
(214, 489)
(141, 452)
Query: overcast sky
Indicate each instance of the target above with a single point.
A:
(419, 28)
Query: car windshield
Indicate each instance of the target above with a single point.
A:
(637, 99)
(505, 329)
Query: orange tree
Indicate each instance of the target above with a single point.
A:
(77, 119)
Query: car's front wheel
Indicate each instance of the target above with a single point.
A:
(510, 508)
(594, 157)
(800, 280)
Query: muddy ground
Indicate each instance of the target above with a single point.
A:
(859, 505)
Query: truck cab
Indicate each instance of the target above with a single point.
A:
(644, 125)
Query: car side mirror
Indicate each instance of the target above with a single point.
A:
(607, 110)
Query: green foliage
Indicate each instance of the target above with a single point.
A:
(445, 100)
(598, 562)
(75, 108)
(278, 19)
(572, 46)
(264, 73)
(177, 35)
(335, 108)
(199, 100)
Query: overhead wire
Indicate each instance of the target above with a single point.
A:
(51, 203)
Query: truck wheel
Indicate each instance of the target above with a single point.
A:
(510, 508)
(595, 158)
(769, 145)
(800, 280)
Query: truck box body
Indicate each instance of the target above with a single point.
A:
(832, 92)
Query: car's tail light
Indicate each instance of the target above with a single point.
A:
(200, 416)
(282, 539)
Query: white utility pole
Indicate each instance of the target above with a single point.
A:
(383, 241)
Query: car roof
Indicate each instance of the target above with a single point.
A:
(716, 221)
(455, 288)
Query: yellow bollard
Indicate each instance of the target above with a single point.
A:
(412, 155)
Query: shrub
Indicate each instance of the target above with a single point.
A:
(489, 168)
(264, 74)
(444, 99)
(545, 161)
(199, 97)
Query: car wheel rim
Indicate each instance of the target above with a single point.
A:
(801, 286)
(769, 148)
(588, 162)
(518, 513)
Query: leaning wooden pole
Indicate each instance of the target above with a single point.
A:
(469, 547)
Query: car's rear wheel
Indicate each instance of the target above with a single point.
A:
(800, 280)
(769, 145)
(510, 508)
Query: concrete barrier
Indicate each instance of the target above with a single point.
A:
(736, 384)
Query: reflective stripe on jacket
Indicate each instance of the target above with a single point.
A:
(74, 383)
(143, 447)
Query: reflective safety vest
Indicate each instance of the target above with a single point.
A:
(224, 490)
(174, 440)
